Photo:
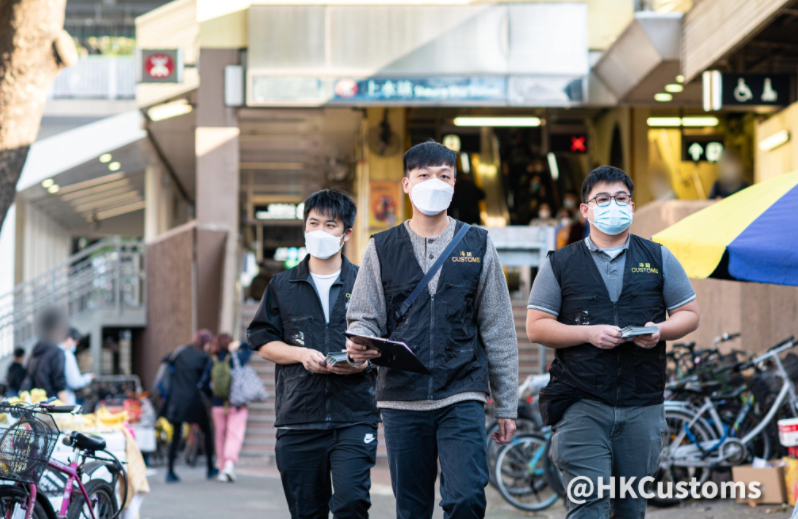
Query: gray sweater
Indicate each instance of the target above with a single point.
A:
(367, 316)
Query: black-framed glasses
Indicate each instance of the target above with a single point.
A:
(604, 200)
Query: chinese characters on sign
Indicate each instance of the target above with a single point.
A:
(439, 89)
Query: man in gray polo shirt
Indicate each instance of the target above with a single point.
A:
(604, 400)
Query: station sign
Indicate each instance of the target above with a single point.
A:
(271, 90)
(279, 212)
(702, 148)
(730, 90)
(568, 143)
(160, 65)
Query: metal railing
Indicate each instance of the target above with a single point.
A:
(107, 275)
(97, 77)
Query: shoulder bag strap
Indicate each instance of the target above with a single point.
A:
(431, 272)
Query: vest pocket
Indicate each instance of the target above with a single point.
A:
(297, 332)
(649, 372)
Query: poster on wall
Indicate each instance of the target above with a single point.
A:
(385, 203)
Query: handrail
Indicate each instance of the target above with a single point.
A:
(108, 274)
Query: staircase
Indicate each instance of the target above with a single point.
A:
(259, 441)
(100, 286)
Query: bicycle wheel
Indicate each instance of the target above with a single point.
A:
(668, 474)
(102, 497)
(13, 502)
(520, 474)
(523, 426)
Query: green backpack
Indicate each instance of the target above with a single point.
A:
(221, 378)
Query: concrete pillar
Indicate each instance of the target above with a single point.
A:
(217, 154)
(154, 201)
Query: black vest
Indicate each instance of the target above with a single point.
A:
(442, 329)
(626, 375)
(300, 396)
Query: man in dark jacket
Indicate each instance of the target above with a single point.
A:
(326, 414)
(16, 372)
(46, 366)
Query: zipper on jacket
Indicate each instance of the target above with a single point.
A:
(617, 358)
(327, 378)
(431, 344)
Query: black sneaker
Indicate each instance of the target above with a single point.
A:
(212, 473)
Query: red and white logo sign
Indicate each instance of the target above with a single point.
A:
(159, 66)
(346, 88)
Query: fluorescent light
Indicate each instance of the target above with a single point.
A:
(105, 157)
(114, 166)
(47, 183)
(102, 215)
(555, 171)
(680, 78)
(465, 163)
(663, 97)
(774, 141)
(674, 88)
(699, 121)
(664, 121)
(53, 189)
(675, 122)
(168, 110)
(513, 122)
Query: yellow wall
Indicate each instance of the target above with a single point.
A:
(783, 159)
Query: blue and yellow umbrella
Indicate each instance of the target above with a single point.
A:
(750, 236)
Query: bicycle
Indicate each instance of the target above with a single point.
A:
(26, 447)
(525, 475)
(701, 441)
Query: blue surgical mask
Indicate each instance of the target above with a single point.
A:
(612, 219)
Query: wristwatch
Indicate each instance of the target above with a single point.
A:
(369, 369)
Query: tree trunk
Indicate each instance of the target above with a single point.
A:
(33, 49)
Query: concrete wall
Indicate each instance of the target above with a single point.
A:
(764, 314)
(41, 242)
(783, 159)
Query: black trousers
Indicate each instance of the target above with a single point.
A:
(416, 440)
(307, 458)
(177, 434)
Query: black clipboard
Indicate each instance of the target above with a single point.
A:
(394, 355)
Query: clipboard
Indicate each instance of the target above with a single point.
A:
(394, 354)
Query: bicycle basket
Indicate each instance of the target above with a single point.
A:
(27, 440)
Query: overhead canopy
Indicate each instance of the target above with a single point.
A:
(748, 236)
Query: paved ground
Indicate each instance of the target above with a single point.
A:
(261, 497)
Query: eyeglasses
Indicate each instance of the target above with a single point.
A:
(604, 200)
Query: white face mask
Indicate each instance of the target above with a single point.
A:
(321, 244)
(432, 197)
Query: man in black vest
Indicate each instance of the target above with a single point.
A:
(326, 415)
(460, 327)
(605, 396)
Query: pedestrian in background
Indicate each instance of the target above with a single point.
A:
(46, 367)
(229, 422)
(16, 372)
(75, 380)
(184, 403)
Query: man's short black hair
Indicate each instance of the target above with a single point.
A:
(332, 203)
(429, 154)
(74, 334)
(19, 351)
(606, 174)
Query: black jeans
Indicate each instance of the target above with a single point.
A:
(177, 435)
(307, 458)
(417, 439)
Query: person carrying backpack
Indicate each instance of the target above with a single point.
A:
(229, 421)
